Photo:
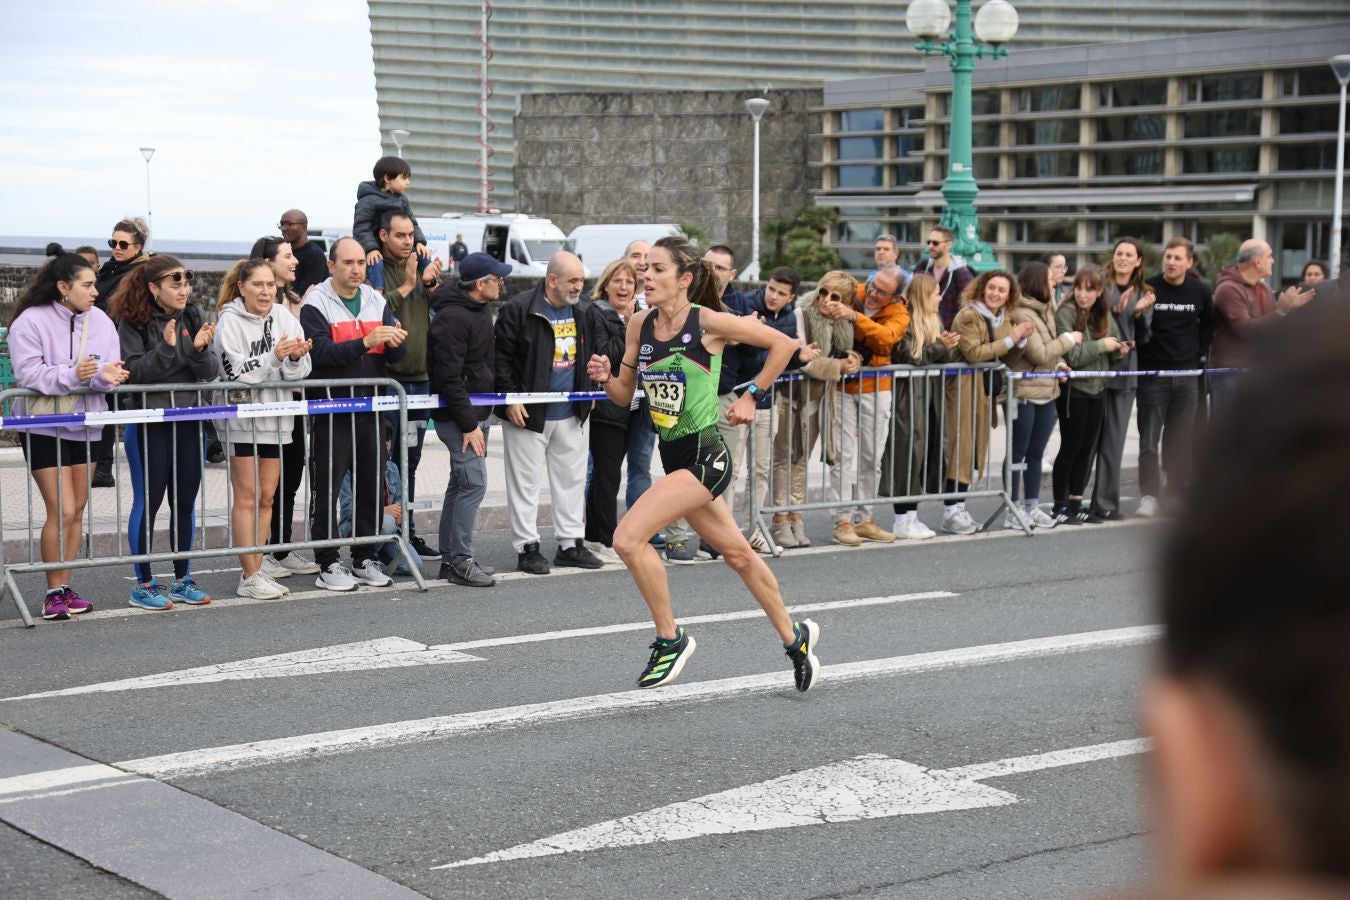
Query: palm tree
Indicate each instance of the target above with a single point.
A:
(776, 231)
(692, 232)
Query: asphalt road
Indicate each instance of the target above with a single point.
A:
(728, 784)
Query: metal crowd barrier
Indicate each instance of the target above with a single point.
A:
(937, 402)
(104, 548)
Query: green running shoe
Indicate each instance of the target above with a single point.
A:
(667, 659)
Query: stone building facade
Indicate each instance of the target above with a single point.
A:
(681, 156)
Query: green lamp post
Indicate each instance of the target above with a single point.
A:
(994, 26)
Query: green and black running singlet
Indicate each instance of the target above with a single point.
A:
(679, 377)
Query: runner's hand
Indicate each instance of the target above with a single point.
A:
(598, 369)
(742, 412)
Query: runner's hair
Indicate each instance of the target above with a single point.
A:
(703, 289)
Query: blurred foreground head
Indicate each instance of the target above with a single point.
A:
(1251, 710)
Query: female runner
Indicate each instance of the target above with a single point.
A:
(675, 347)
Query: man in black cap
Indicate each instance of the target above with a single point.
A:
(460, 362)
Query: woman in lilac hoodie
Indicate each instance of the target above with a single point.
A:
(58, 342)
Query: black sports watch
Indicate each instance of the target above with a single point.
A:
(753, 390)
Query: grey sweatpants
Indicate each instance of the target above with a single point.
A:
(1111, 448)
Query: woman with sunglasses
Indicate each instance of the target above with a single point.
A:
(165, 340)
(58, 342)
(128, 251)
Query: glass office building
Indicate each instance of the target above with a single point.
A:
(1199, 135)
(427, 57)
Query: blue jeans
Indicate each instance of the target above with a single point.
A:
(641, 439)
(1031, 432)
(463, 494)
(413, 389)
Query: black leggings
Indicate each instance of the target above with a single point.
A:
(1080, 422)
(292, 473)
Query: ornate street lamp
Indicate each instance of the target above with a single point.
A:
(993, 27)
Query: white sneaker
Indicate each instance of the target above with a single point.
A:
(274, 569)
(1148, 507)
(916, 530)
(1040, 518)
(959, 522)
(604, 554)
(1013, 519)
(758, 544)
(372, 573)
(336, 578)
(278, 585)
(259, 587)
(292, 563)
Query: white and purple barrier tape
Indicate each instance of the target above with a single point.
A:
(1164, 373)
(389, 402)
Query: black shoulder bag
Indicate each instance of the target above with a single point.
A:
(993, 378)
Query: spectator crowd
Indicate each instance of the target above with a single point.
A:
(1061, 348)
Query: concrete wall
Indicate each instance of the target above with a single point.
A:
(665, 157)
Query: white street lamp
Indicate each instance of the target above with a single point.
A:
(1341, 66)
(928, 19)
(148, 152)
(996, 22)
(756, 106)
(398, 136)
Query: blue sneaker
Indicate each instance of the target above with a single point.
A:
(150, 596)
(186, 591)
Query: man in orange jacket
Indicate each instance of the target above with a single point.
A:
(862, 415)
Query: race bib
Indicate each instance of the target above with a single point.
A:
(665, 396)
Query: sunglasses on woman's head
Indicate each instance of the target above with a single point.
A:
(179, 277)
(114, 244)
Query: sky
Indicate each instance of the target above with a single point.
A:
(252, 106)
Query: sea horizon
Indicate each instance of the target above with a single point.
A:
(37, 244)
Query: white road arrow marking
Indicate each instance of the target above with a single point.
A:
(214, 760)
(398, 651)
(866, 787)
(383, 653)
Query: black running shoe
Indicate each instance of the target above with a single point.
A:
(422, 549)
(667, 659)
(531, 561)
(805, 666)
(576, 556)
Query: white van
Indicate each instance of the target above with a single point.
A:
(599, 245)
(524, 242)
